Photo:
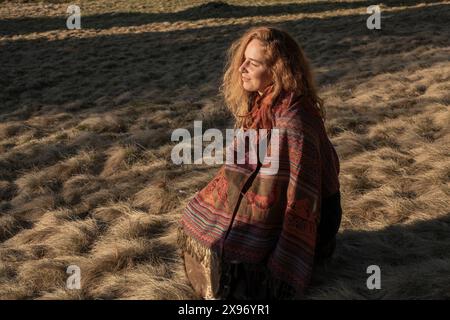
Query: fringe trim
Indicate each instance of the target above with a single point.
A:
(204, 255)
(252, 277)
(210, 287)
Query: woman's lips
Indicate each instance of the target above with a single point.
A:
(245, 79)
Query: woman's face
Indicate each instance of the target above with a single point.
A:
(255, 73)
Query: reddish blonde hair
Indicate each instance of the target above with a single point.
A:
(289, 67)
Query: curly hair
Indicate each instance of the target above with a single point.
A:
(288, 65)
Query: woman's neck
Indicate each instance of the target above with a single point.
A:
(265, 89)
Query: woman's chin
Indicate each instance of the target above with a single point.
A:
(247, 87)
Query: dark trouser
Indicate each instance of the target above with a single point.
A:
(253, 282)
(330, 221)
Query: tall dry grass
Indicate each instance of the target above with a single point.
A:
(85, 171)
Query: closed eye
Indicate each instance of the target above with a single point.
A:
(252, 62)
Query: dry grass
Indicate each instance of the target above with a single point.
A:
(86, 117)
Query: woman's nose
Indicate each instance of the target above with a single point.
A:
(242, 67)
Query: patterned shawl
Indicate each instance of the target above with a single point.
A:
(244, 215)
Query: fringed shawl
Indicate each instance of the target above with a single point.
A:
(244, 215)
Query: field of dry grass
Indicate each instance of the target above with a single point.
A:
(85, 121)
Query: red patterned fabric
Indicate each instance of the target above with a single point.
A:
(251, 217)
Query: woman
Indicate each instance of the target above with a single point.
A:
(253, 235)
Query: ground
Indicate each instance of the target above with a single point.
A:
(86, 115)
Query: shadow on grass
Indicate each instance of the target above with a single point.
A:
(208, 10)
(85, 72)
(414, 260)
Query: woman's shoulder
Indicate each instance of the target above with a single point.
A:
(295, 110)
